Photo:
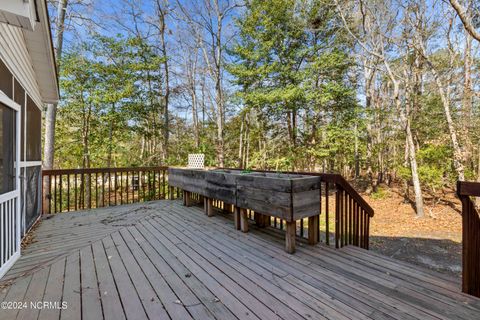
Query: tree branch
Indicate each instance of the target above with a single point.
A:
(462, 13)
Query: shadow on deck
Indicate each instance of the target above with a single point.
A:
(160, 260)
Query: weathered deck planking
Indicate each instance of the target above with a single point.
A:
(161, 260)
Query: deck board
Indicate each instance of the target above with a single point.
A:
(54, 289)
(160, 260)
(321, 278)
(112, 307)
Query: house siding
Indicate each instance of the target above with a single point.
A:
(14, 53)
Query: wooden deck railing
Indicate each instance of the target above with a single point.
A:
(470, 237)
(343, 214)
(77, 189)
(351, 223)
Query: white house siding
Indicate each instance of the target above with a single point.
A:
(17, 58)
(14, 53)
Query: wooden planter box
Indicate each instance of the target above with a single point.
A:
(286, 196)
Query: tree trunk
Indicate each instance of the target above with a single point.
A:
(412, 152)
(369, 75)
(410, 146)
(467, 100)
(414, 168)
(166, 100)
(51, 114)
(220, 121)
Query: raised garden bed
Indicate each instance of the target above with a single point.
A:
(286, 196)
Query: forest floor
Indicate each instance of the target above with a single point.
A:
(434, 241)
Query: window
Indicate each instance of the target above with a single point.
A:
(7, 149)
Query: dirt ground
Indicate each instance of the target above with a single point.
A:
(433, 241)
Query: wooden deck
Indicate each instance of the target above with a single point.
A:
(160, 260)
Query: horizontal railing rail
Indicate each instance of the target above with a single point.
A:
(470, 237)
(78, 189)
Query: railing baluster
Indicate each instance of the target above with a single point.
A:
(149, 185)
(362, 230)
(109, 187)
(337, 218)
(319, 212)
(68, 192)
(83, 190)
(301, 228)
(126, 183)
(164, 185)
(60, 185)
(115, 187)
(76, 200)
(367, 233)
(136, 186)
(355, 224)
(49, 193)
(121, 187)
(327, 209)
(154, 190)
(55, 193)
(350, 220)
(347, 214)
(96, 189)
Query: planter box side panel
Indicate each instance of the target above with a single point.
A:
(306, 204)
(175, 178)
(190, 180)
(270, 202)
(306, 183)
(255, 181)
(221, 186)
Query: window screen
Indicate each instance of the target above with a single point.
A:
(32, 195)
(7, 149)
(34, 131)
(5, 80)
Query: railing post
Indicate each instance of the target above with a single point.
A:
(337, 217)
(470, 238)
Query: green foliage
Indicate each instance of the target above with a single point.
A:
(380, 194)
(288, 65)
(434, 169)
(111, 97)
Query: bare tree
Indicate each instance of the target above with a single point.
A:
(417, 21)
(464, 16)
(376, 40)
(207, 19)
(162, 11)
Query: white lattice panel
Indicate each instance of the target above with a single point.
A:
(196, 160)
